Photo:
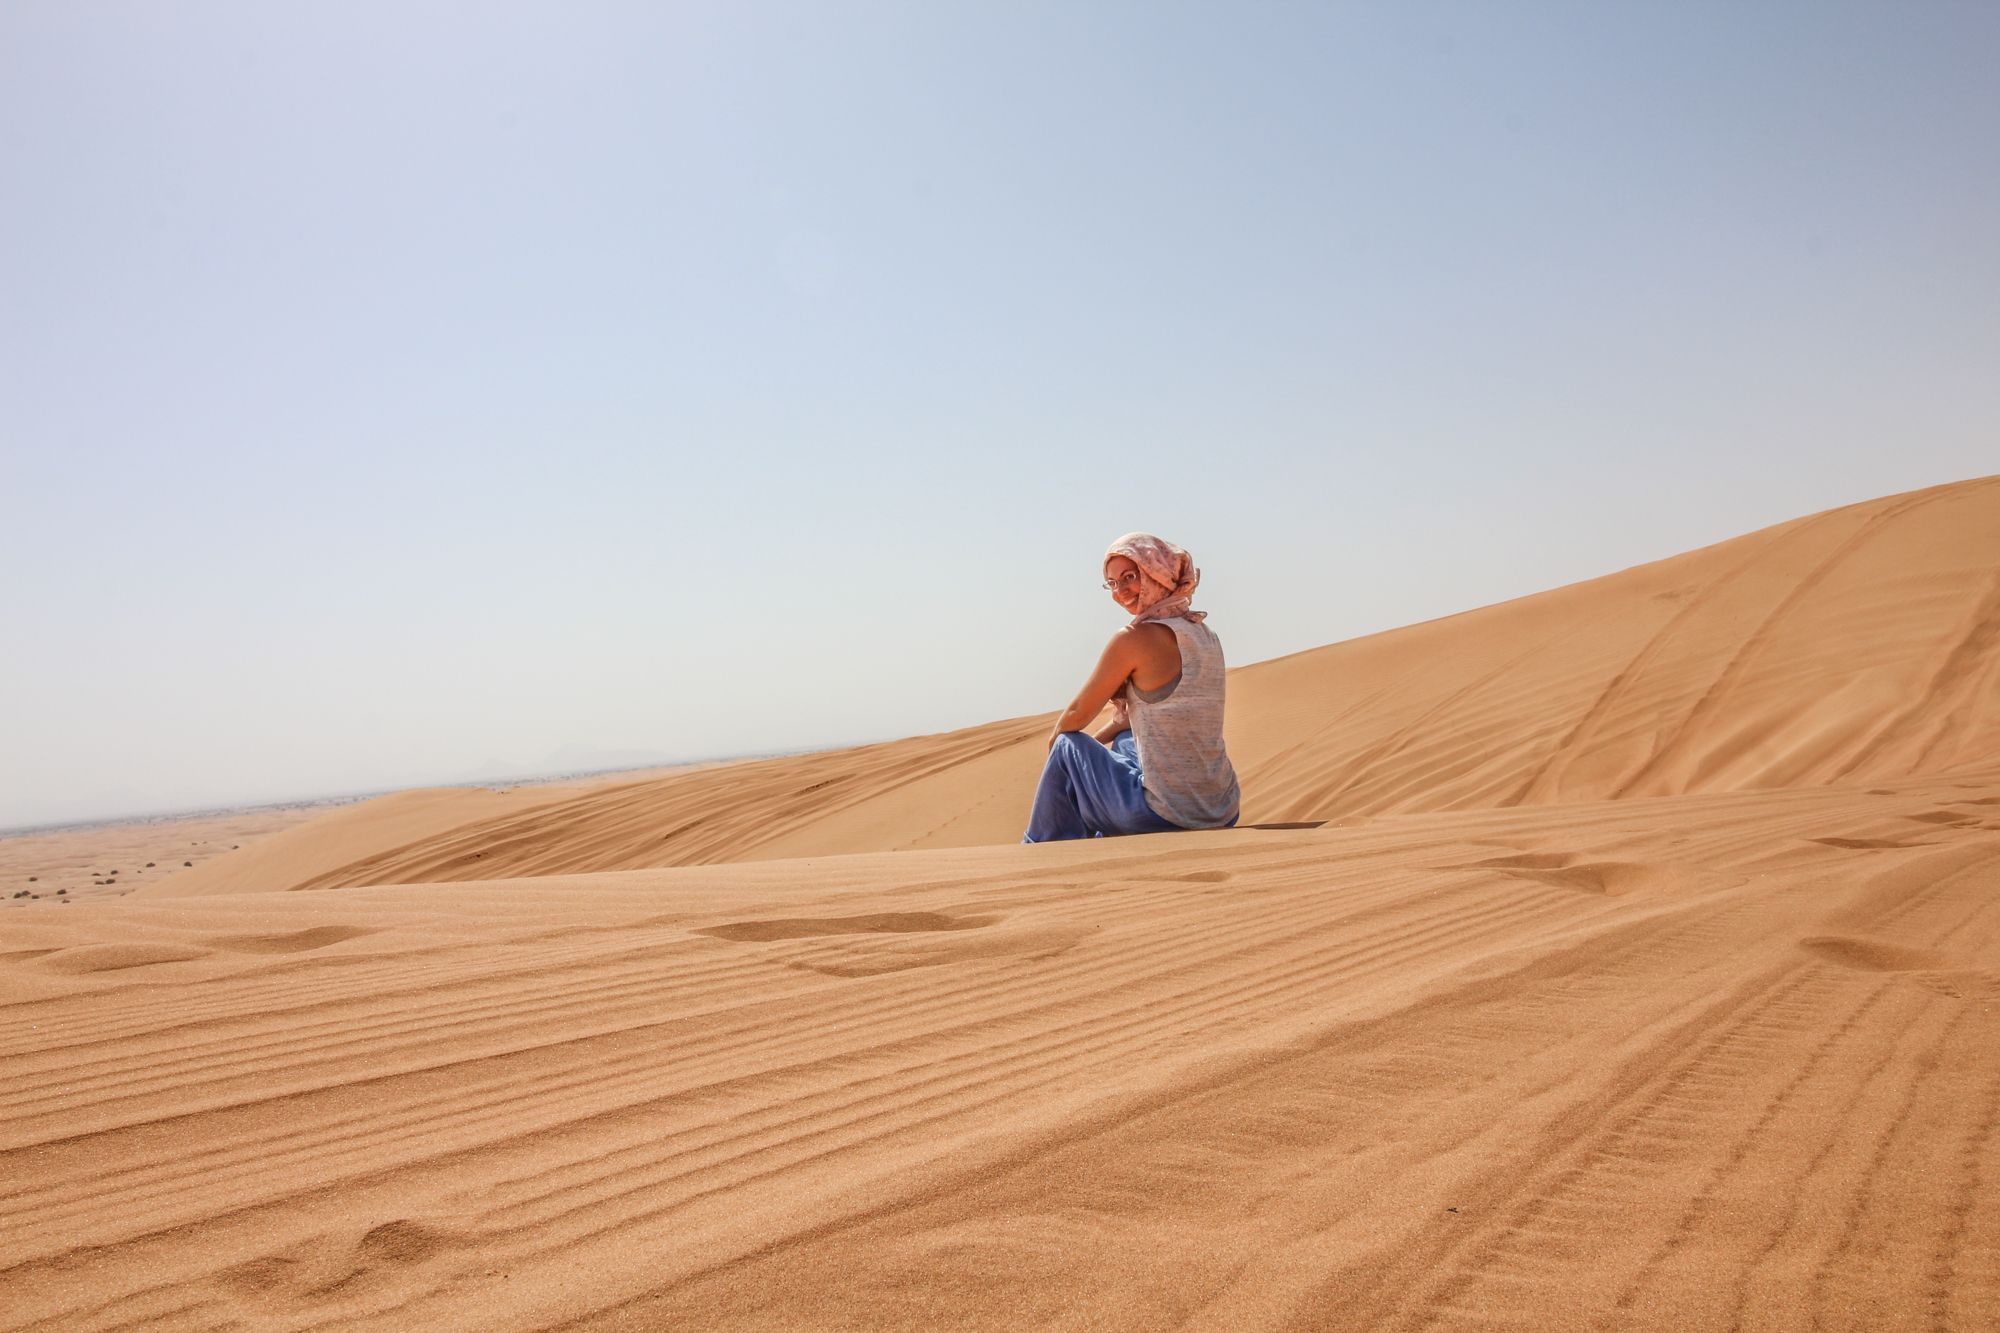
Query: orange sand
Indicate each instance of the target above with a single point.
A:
(1632, 961)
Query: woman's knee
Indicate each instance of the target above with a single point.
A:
(1068, 747)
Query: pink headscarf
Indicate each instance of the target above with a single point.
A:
(1166, 576)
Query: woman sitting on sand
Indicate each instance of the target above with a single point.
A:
(1161, 765)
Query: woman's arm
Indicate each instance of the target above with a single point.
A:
(1113, 669)
(1119, 721)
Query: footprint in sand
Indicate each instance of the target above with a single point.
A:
(297, 941)
(306, 1275)
(1571, 870)
(90, 958)
(1968, 984)
(1866, 844)
(869, 946)
(1527, 861)
(813, 927)
(400, 1242)
(876, 955)
(1866, 955)
(1931, 970)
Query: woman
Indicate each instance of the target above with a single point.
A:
(1161, 765)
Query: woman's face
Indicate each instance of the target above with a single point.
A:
(1123, 576)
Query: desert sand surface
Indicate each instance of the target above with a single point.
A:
(109, 860)
(378, 825)
(112, 858)
(1626, 956)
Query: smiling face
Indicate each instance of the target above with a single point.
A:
(1126, 583)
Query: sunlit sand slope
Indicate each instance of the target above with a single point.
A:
(342, 835)
(1858, 644)
(1711, 1061)
(951, 790)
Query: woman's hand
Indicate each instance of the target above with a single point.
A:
(1120, 720)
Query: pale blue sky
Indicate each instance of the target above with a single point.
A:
(400, 393)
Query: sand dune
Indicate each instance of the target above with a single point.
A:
(382, 824)
(1638, 967)
(1853, 645)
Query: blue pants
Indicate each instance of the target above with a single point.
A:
(1089, 791)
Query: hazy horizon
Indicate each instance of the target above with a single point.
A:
(496, 779)
(395, 395)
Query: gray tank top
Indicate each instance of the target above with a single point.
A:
(1178, 729)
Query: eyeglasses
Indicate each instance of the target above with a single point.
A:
(1130, 576)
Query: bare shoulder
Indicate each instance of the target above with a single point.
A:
(1147, 648)
(1141, 640)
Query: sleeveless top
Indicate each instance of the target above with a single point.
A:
(1187, 775)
